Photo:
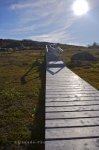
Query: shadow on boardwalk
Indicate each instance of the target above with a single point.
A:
(58, 67)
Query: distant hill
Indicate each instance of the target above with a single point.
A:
(8, 44)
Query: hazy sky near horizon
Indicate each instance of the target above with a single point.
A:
(49, 20)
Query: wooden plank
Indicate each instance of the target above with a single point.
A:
(72, 115)
(71, 103)
(72, 109)
(78, 144)
(71, 98)
(68, 123)
(76, 94)
(71, 133)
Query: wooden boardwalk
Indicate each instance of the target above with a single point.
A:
(72, 109)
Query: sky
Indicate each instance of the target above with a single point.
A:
(49, 20)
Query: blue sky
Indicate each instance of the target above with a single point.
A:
(49, 20)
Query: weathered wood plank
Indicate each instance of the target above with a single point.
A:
(78, 144)
(72, 108)
(72, 115)
(69, 133)
(59, 123)
(72, 103)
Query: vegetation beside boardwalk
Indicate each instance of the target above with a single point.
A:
(22, 81)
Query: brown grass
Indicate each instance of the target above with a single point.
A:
(20, 87)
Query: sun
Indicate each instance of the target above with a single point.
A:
(80, 7)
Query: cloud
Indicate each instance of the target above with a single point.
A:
(44, 20)
(20, 6)
(51, 37)
(21, 30)
(56, 36)
(30, 4)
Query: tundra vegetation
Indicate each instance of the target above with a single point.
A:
(22, 82)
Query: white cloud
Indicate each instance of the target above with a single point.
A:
(56, 36)
(20, 6)
(21, 30)
(46, 20)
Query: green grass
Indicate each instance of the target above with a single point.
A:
(21, 80)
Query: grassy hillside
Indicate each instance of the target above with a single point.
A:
(89, 71)
(22, 82)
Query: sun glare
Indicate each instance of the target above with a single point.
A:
(80, 7)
